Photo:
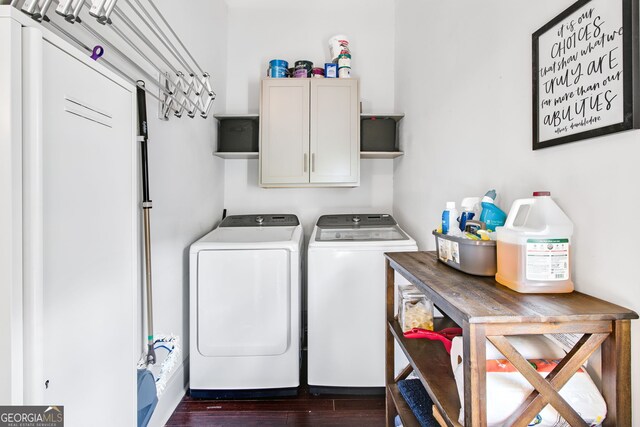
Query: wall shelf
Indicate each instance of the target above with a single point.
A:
(380, 154)
(237, 155)
(379, 137)
(395, 116)
(237, 116)
(230, 138)
(363, 154)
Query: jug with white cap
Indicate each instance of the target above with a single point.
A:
(534, 247)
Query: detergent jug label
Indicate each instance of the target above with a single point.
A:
(547, 259)
(448, 251)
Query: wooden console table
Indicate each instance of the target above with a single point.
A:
(486, 310)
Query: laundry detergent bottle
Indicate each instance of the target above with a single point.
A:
(534, 247)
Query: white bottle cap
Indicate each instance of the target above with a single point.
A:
(451, 205)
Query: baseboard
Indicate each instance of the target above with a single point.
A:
(173, 394)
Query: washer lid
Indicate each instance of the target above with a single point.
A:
(258, 220)
(356, 221)
(368, 234)
(250, 235)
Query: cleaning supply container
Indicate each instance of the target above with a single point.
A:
(534, 247)
(477, 257)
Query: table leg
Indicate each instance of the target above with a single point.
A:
(616, 375)
(475, 375)
(391, 411)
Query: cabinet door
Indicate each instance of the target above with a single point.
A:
(335, 131)
(284, 131)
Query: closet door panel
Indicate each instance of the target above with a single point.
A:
(90, 235)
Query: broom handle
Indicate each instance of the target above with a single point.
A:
(146, 206)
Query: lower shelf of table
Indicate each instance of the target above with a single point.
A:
(431, 363)
(403, 409)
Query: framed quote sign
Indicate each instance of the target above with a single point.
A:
(584, 72)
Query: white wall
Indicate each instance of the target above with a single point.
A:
(285, 29)
(186, 180)
(293, 30)
(468, 129)
(243, 196)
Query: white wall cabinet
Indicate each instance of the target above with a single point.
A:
(309, 133)
(72, 205)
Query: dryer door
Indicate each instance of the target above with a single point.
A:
(244, 302)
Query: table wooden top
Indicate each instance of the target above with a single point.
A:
(476, 299)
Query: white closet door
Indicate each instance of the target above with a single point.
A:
(90, 235)
(10, 214)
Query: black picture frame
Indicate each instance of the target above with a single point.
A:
(627, 108)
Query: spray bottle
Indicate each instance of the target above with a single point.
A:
(470, 208)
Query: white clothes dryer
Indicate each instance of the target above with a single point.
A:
(346, 301)
(245, 308)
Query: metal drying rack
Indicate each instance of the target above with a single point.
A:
(180, 87)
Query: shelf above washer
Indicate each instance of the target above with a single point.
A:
(395, 116)
(237, 116)
(380, 154)
(237, 155)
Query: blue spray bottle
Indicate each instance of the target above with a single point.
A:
(470, 207)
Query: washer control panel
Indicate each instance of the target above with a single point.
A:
(274, 220)
(356, 220)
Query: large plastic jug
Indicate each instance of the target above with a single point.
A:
(534, 247)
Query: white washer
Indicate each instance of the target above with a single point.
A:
(245, 308)
(346, 300)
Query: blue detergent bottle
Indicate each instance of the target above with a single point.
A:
(492, 215)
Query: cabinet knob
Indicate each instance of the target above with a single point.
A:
(259, 219)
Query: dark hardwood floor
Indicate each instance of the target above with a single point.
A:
(302, 410)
